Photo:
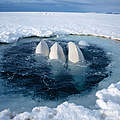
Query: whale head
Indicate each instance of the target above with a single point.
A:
(74, 53)
(42, 48)
(56, 52)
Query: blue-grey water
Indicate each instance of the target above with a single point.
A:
(28, 80)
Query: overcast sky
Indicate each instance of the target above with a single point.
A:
(61, 5)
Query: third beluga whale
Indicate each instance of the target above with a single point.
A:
(74, 53)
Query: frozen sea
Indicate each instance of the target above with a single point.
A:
(32, 87)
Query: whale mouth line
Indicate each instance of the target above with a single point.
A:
(28, 74)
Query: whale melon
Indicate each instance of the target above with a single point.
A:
(42, 48)
(56, 52)
(74, 53)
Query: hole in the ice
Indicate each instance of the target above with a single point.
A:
(31, 75)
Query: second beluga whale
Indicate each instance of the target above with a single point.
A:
(56, 53)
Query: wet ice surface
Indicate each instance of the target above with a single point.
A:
(29, 80)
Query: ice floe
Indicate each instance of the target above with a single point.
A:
(83, 43)
(109, 101)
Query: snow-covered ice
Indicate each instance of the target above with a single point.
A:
(14, 26)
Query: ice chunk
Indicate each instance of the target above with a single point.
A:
(56, 52)
(83, 43)
(42, 48)
(65, 111)
(109, 101)
(74, 53)
(5, 115)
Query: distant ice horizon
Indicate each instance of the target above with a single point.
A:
(108, 6)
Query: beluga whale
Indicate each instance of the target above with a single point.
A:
(56, 53)
(76, 64)
(42, 48)
(75, 55)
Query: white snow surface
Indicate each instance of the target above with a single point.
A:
(16, 25)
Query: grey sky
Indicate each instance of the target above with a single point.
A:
(61, 5)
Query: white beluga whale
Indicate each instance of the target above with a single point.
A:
(42, 48)
(56, 53)
(76, 64)
(74, 53)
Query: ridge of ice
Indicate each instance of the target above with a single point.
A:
(109, 101)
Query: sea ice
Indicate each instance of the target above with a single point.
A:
(13, 25)
(108, 102)
(83, 43)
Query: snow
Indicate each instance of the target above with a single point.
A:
(109, 100)
(14, 26)
(65, 111)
